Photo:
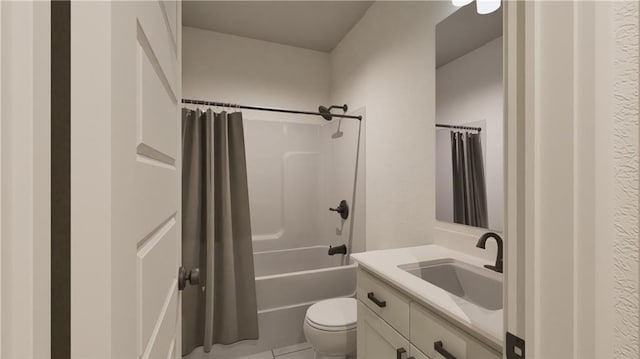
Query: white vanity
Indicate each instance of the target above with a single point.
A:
(427, 302)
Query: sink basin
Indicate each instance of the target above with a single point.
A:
(476, 285)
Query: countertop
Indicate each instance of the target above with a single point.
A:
(486, 325)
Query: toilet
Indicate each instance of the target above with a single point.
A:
(330, 328)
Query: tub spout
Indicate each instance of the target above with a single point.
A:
(341, 249)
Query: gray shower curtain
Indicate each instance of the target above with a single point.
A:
(216, 232)
(469, 188)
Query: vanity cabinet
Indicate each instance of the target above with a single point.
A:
(376, 338)
(392, 326)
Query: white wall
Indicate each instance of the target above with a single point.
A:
(386, 64)
(470, 93)
(298, 166)
(234, 69)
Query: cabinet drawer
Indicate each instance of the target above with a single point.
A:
(428, 329)
(376, 338)
(385, 301)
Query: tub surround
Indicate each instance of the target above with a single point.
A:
(485, 325)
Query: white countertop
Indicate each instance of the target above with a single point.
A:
(483, 323)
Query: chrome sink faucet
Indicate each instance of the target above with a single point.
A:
(482, 244)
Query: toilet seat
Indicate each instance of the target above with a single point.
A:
(333, 315)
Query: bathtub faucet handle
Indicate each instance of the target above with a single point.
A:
(342, 209)
(341, 249)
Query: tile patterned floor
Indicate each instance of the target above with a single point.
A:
(298, 351)
(302, 354)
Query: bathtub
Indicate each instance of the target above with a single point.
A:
(287, 283)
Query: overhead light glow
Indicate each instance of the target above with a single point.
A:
(460, 3)
(487, 6)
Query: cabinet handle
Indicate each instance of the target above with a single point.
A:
(379, 303)
(439, 347)
(400, 352)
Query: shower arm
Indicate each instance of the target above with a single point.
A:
(344, 107)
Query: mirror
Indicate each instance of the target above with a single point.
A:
(469, 119)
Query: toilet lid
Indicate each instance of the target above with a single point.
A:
(334, 314)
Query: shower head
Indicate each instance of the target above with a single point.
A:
(326, 112)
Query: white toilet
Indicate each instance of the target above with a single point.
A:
(330, 328)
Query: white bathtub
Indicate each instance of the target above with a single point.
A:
(287, 283)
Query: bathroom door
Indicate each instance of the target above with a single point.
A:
(125, 178)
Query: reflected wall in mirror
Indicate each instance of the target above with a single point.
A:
(469, 119)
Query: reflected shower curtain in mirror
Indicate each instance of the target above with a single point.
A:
(216, 232)
(469, 189)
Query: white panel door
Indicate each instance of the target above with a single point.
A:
(145, 176)
(137, 154)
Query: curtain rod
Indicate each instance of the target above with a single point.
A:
(232, 105)
(460, 127)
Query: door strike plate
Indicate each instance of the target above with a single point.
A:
(514, 347)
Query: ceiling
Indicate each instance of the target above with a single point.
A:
(464, 31)
(316, 25)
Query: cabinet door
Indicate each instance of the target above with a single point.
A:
(378, 340)
(417, 354)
